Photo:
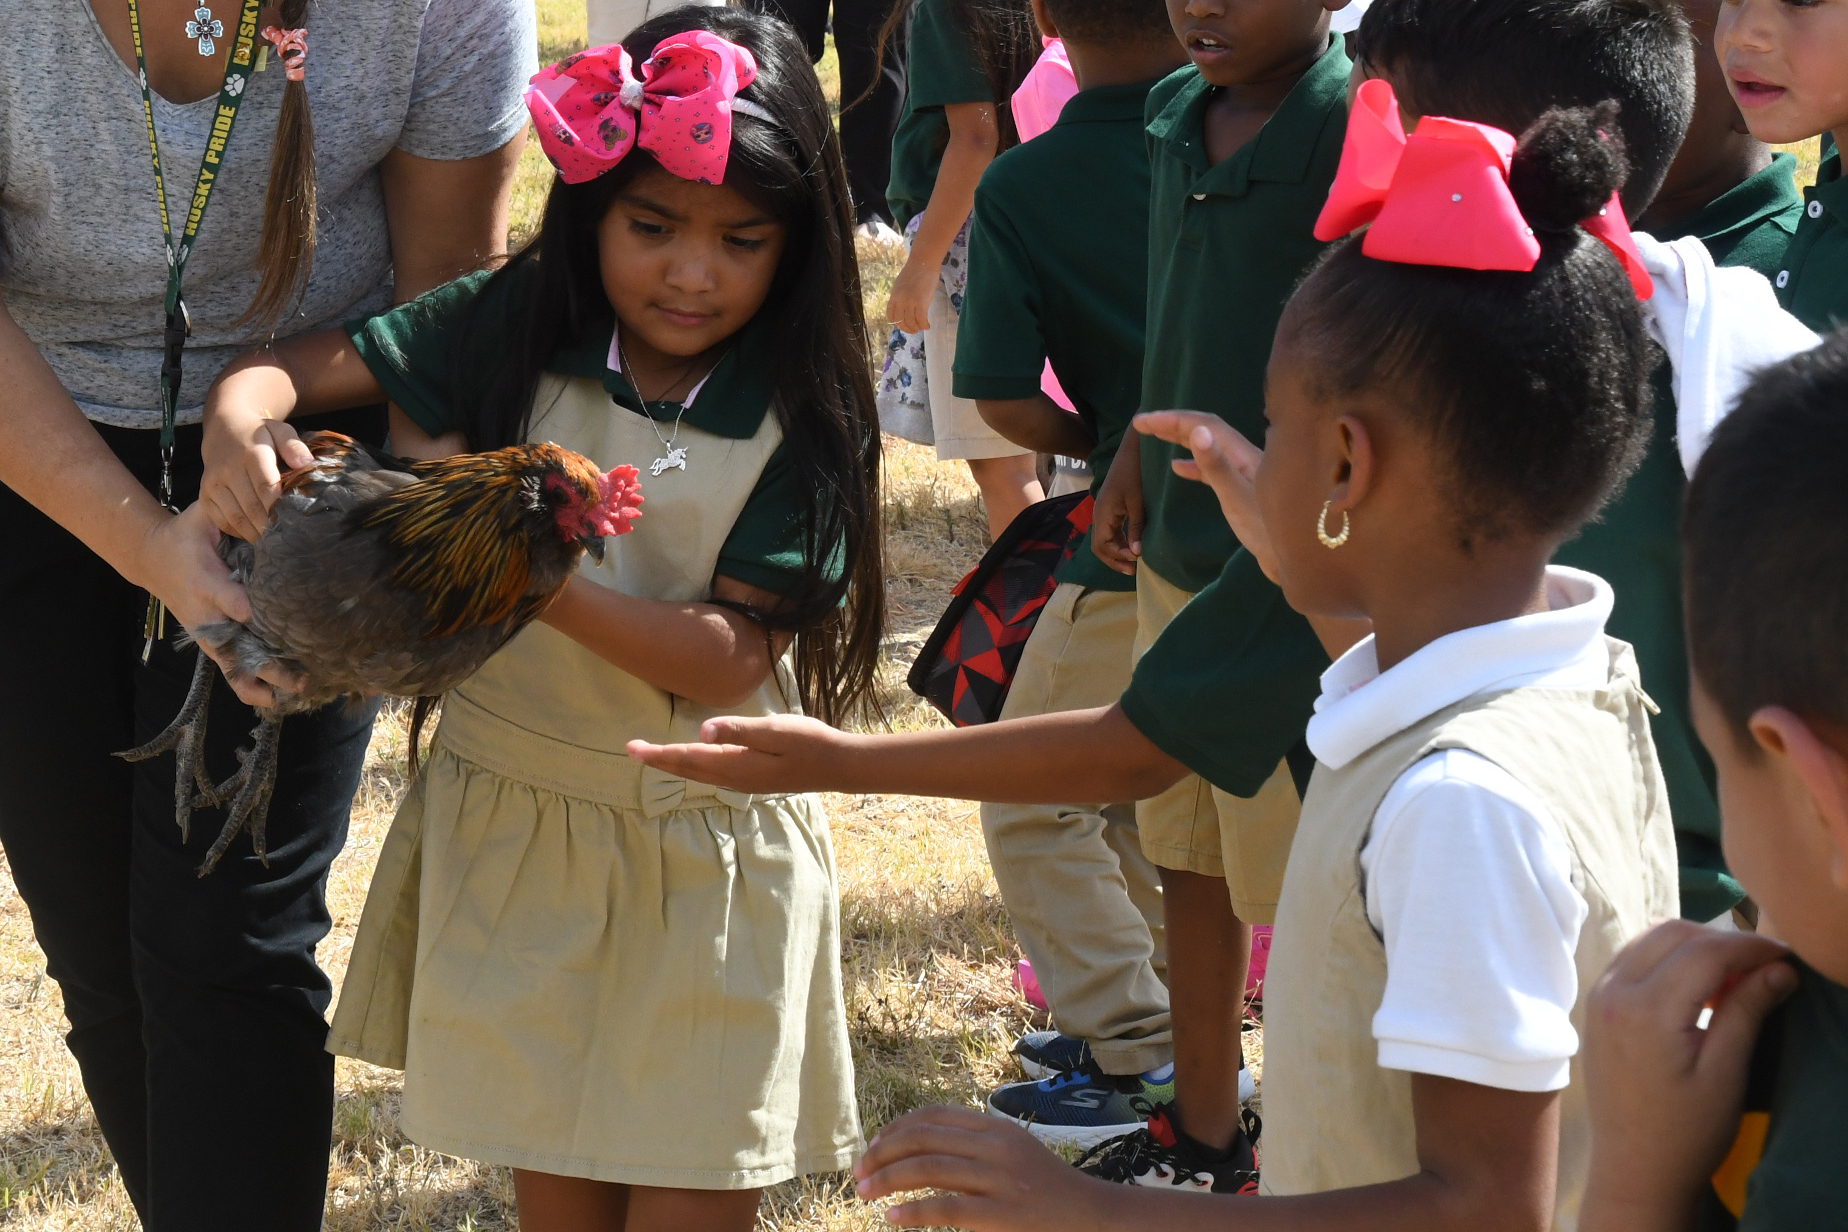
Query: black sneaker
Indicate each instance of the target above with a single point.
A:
(1159, 1155)
(1043, 1054)
(1079, 1108)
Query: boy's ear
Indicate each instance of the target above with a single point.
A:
(1043, 19)
(1820, 766)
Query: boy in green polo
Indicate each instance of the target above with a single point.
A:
(1058, 269)
(1787, 67)
(1243, 145)
(1726, 188)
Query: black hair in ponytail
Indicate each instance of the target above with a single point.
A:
(1536, 383)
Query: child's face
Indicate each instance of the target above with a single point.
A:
(1244, 42)
(685, 265)
(1775, 803)
(1786, 63)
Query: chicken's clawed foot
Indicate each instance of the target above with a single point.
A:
(248, 792)
(185, 738)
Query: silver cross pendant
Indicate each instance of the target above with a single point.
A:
(676, 459)
(205, 28)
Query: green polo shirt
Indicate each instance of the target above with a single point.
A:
(1058, 268)
(1812, 281)
(940, 68)
(1227, 245)
(414, 352)
(1794, 1121)
(1636, 547)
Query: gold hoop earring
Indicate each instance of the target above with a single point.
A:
(1321, 527)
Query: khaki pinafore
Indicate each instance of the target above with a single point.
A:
(585, 966)
(1333, 1118)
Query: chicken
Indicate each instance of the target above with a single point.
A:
(379, 575)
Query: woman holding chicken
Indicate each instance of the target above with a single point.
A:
(624, 985)
(164, 200)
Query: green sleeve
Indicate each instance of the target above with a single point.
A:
(766, 546)
(1000, 347)
(411, 350)
(942, 65)
(1229, 686)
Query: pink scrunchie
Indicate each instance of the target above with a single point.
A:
(292, 48)
(590, 110)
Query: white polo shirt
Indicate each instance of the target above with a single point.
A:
(1467, 875)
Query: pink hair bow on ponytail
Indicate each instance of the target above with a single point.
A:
(1441, 197)
(292, 47)
(590, 110)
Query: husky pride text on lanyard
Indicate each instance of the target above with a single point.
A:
(179, 324)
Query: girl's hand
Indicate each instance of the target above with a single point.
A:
(246, 453)
(1226, 462)
(909, 308)
(1665, 1095)
(782, 753)
(1116, 534)
(179, 562)
(996, 1176)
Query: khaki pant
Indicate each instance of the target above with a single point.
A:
(1197, 828)
(1085, 902)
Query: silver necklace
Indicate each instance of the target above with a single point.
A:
(205, 28)
(676, 456)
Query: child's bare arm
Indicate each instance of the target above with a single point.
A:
(1665, 1095)
(1116, 538)
(1075, 755)
(1488, 1159)
(975, 135)
(247, 442)
(1038, 423)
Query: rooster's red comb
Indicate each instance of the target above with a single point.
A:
(619, 502)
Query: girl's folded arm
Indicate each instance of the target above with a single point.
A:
(1073, 755)
(705, 652)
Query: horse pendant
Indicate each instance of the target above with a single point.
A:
(676, 459)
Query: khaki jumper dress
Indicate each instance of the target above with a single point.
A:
(585, 966)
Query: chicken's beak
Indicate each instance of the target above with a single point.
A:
(594, 545)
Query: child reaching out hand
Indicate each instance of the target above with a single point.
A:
(1486, 824)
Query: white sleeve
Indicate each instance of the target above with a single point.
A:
(1468, 880)
(474, 58)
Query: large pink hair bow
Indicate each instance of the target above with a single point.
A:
(1441, 197)
(590, 110)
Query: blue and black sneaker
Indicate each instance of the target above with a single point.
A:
(1045, 1053)
(1081, 1107)
(1159, 1155)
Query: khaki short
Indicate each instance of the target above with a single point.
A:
(958, 428)
(1197, 828)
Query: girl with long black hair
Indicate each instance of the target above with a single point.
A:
(625, 985)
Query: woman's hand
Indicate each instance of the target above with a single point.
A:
(1116, 523)
(246, 453)
(1227, 463)
(993, 1174)
(909, 307)
(782, 753)
(1666, 1094)
(179, 563)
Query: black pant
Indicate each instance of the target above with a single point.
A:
(866, 126)
(195, 1005)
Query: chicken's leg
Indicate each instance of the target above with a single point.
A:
(185, 737)
(249, 792)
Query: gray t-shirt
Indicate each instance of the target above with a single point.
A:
(81, 261)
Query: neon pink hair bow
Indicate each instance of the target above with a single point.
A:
(590, 110)
(1441, 197)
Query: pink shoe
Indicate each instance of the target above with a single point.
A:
(1260, 960)
(1028, 983)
